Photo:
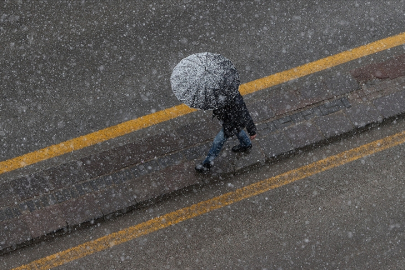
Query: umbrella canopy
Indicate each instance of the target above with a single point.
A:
(205, 81)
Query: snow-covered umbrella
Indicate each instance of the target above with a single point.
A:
(205, 81)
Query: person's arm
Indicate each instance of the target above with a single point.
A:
(250, 125)
(251, 128)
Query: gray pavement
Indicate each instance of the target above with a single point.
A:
(349, 217)
(290, 118)
(70, 68)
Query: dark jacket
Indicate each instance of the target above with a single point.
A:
(235, 117)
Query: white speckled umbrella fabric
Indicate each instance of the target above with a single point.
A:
(205, 81)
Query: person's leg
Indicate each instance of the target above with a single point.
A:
(216, 147)
(244, 139)
(244, 142)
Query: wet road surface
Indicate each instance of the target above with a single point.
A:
(350, 216)
(69, 69)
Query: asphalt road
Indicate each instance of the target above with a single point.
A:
(349, 217)
(71, 68)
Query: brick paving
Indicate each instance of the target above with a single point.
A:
(122, 178)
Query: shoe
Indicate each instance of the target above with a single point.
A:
(240, 148)
(204, 167)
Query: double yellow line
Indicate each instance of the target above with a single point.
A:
(170, 113)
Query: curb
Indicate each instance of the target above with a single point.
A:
(112, 182)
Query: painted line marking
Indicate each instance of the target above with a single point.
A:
(174, 112)
(207, 206)
(322, 64)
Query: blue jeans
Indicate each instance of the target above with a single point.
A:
(220, 140)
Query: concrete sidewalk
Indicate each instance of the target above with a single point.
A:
(289, 118)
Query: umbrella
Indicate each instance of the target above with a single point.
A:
(205, 81)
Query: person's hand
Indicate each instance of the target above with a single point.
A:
(253, 137)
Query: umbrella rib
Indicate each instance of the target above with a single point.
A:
(205, 81)
(205, 92)
(194, 101)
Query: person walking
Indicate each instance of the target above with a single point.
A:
(209, 81)
(234, 117)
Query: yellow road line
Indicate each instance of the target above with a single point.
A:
(204, 207)
(322, 64)
(161, 116)
(93, 138)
